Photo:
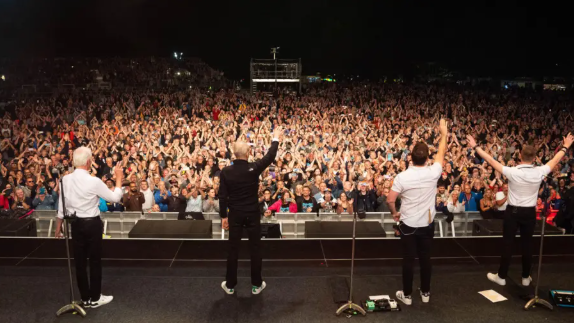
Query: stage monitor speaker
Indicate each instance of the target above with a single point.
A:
(268, 231)
(493, 227)
(331, 229)
(18, 228)
(200, 229)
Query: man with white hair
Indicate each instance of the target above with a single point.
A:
(238, 191)
(82, 193)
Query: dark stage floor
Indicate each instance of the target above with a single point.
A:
(33, 294)
(178, 281)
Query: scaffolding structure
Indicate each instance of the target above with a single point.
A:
(275, 71)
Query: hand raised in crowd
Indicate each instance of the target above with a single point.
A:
(471, 142)
(443, 128)
(278, 132)
(567, 140)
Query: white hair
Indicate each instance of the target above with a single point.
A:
(81, 156)
(241, 150)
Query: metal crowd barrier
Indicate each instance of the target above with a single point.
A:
(119, 224)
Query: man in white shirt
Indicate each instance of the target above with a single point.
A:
(82, 194)
(417, 187)
(502, 201)
(523, 184)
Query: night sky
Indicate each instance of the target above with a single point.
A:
(372, 38)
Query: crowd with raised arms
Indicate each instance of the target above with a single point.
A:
(342, 145)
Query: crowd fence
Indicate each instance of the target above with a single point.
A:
(119, 224)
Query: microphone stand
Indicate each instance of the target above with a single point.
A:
(74, 306)
(350, 305)
(537, 300)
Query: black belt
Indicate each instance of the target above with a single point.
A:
(521, 207)
(88, 219)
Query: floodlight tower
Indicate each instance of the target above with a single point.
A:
(275, 51)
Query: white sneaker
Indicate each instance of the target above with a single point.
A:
(495, 279)
(408, 300)
(257, 290)
(102, 301)
(425, 297)
(229, 291)
(526, 281)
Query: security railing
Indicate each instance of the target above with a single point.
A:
(119, 224)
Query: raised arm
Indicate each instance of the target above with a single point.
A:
(439, 158)
(489, 159)
(566, 143)
(264, 162)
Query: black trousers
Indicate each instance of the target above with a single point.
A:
(251, 222)
(87, 242)
(525, 219)
(416, 242)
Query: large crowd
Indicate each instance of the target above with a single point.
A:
(341, 143)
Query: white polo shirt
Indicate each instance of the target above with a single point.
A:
(500, 197)
(417, 188)
(524, 183)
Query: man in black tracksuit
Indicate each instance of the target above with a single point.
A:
(238, 191)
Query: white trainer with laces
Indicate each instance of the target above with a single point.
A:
(495, 279)
(229, 291)
(257, 290)
(408, 300)
(102, 301)
(526, 281)
(425, 297)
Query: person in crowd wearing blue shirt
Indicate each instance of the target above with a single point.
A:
(469, 199)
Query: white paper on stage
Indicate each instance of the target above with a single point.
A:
(493, 296)
(379, 297)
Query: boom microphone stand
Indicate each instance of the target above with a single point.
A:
(350, 305)
(537, 300)
(74, 306)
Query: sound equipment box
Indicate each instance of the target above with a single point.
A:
(563, 298)
(493, 227)
(18, 228)
(268, 231)
(199, 229)
(332, 229)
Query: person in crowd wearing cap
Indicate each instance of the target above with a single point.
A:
(417, 187)
(110, 205)
(45, 201)
(306, 202)
(329, 203)
(6, 197)
(524, 182)
(365, 199)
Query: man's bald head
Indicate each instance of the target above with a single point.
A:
(241, 150)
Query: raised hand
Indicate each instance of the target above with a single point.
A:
(567, 140)
(471, 141)
(277, 132)
(443, 128)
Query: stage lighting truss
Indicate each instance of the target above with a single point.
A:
(275, 71)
